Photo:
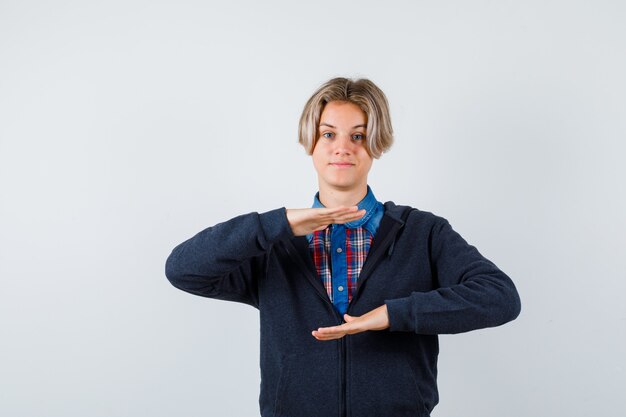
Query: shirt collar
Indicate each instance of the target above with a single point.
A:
(369, 203)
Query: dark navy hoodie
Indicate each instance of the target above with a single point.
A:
(432, 281)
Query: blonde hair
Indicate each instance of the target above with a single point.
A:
(363, 93)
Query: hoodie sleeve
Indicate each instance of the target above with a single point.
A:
(225, 261)
(472, 292)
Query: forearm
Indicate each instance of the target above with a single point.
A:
(469, 292)
(225, 251)
(482, 302)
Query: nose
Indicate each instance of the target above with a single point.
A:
(343, 145)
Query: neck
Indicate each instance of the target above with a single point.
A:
(334, 198)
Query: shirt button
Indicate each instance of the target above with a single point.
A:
(339, 250)
(340, 288)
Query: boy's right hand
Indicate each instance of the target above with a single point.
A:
(309, 220)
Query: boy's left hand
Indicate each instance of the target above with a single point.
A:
(377, 319)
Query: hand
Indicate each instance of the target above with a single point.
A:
(377, 319)
(305, 221)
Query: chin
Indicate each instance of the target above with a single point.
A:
(343, 185)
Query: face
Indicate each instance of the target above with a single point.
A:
(340, 156)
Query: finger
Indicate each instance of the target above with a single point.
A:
(332, 330)
(323, 214)
(338, 218)
(348, 217)
(344, 211)
(342, 330)
(322, 336)
(325, 339)
(340, 209)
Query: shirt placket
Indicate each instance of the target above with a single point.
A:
(339, 268)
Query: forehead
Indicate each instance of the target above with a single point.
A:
(342, 112)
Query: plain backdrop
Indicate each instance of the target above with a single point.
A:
(128, 126)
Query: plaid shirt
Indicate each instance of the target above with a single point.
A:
(340, 250)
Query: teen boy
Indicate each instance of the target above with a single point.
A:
(352, 293)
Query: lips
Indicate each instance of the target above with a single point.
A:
(341, 164)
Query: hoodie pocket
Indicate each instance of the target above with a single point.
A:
(307, 386)
(281, 386)
(385, 387)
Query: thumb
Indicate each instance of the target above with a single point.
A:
(348, 318)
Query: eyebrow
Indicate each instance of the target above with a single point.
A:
(329, 125)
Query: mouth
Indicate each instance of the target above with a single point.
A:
(341, 164)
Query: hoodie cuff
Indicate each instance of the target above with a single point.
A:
(400, 315)
(275, 225)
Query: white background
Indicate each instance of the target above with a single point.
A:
(128, 126)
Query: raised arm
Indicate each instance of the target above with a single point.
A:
(226, 260)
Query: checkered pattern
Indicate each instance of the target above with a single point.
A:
(358, 242)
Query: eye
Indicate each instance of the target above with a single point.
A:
(327, 133)
(358, 136)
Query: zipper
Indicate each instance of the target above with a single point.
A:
(342, 347)
(342, 343)
(370, 265)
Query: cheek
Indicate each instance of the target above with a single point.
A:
(317, 159)
(367, 160)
